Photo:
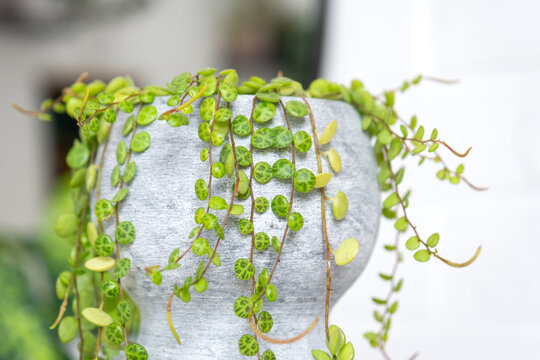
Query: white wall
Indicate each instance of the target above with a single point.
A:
(489, 310)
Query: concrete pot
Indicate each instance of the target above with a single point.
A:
(161, 204)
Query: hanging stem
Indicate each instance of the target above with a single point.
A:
(407, 219)
(169, 319)
(282, 341)
(252, 211)
(276, 262)
(323, 217)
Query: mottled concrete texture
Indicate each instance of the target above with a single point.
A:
(161, 204)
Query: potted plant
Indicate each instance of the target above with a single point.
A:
(218, 220)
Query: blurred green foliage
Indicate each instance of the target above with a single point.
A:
(28, 304)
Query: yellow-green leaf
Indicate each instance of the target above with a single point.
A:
(335, 160)
(322, 179)
(346, 252)
(328, 133)
(97, 317)
(100, 263)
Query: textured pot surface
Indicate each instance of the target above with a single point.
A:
(161, 204)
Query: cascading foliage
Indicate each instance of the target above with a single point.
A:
(103, 314)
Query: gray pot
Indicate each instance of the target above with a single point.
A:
(161, 204)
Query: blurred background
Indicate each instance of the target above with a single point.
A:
(489, 310)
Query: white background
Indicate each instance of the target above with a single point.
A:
(489, 310)
(486, 311)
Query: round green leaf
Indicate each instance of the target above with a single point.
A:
(78, 178)
(245, 226)
(204, 131)
(261, 204)
(270, 97)
(115, 176)
(211, 84)
(125, 232)
(210, 221)
(262, 172)
(263, 112)
(280, 206)
(302, 141)
(128, 125)
(66, 225)
(276, 245)
(78, 155)
(125, 107)
(412, 243)
(104, 245)
(283, 137)
(208, 109)
(123, 311)
(114, 334)
(297, 108)
(109, 115)
(207, 71)
(263, 138)
(201, 189)
(268, 355)
(241, 307)
(156, 277)
(241, 125)
(295, 221)
(103, 209)
(147, 97)
(247, 345)
(129, 172)
(243, 156)
(218, 203)
(67, 330)
(243, 269)
(120, 195)
(121, 152)
(422, 255)
(105, 97)
(433, 240)
(223, 114)
(228, 91)
(177, 119)
(265, 322)
(136, 352)
(271, 293)
(147, 115)
(200, 246)
(110, 289)
(262, 240)
(204, 154)
(347, 352)
(336, 339)
(304, 180)
(199, 215)
(283, 169)
(237, 209)
(140, 142)
(173, 100)
(121, 268)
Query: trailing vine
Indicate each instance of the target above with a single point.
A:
(97, 288)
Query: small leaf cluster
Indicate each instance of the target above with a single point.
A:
(337, 345)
